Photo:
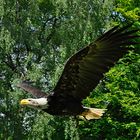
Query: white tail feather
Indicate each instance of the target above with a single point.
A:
(92, 113)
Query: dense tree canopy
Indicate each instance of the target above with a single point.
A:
(36, 38)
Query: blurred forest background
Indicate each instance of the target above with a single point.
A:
(36, 38)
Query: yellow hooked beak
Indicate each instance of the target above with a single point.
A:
(24, 102)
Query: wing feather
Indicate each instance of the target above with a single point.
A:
(84, 70)
(34, 91)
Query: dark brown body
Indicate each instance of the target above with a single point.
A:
(59, 105)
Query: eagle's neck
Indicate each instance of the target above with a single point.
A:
(42, 102)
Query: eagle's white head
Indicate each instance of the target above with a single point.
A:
(40, 103)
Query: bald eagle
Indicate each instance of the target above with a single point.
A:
(82, 73)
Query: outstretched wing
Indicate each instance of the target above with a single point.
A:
(34, 91)
(84, 70)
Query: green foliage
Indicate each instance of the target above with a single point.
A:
(129, 9)
(36, 38)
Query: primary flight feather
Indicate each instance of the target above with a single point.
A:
(82, 73)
